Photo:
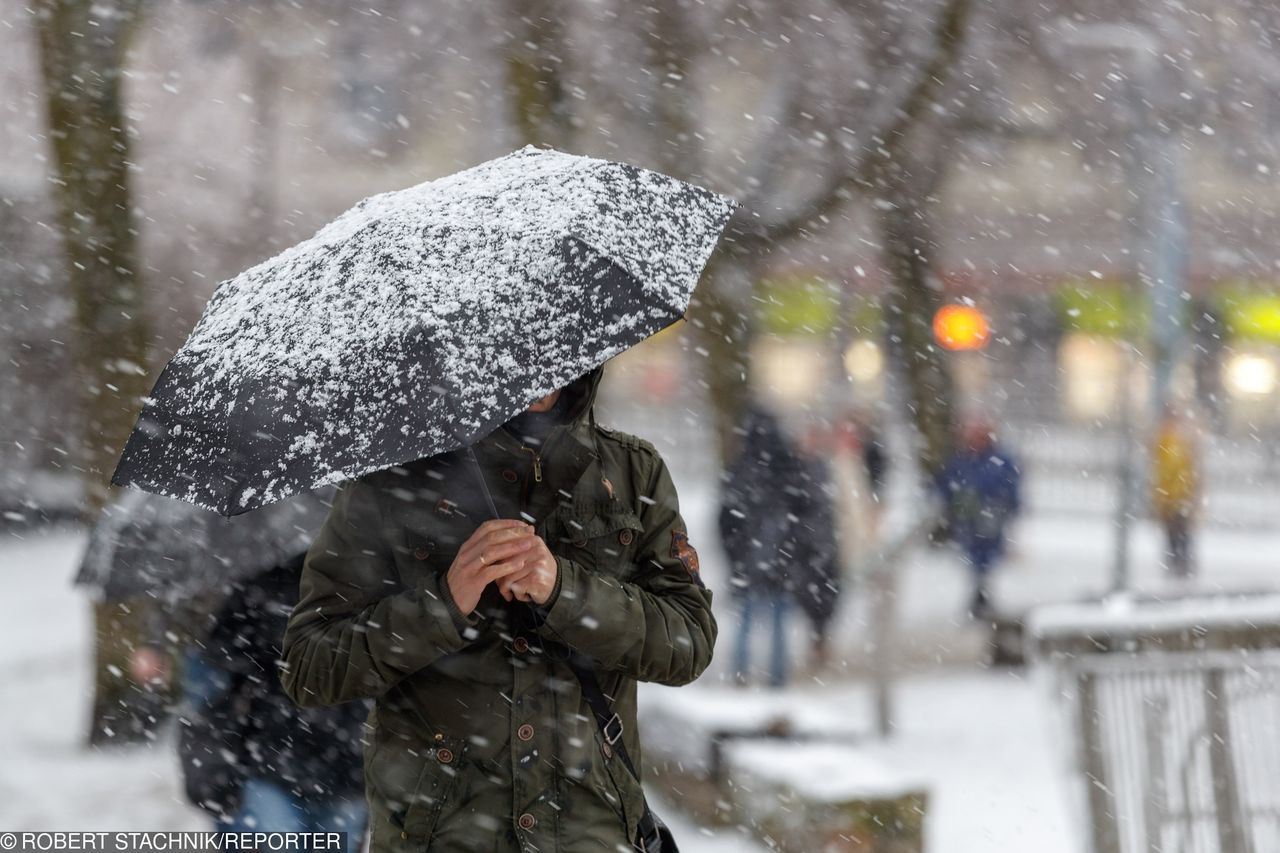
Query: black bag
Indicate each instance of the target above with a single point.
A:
(652, 835)
(213, 748)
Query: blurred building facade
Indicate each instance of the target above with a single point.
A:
(256, 123)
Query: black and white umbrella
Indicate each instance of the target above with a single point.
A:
(154, 546)
(418, 322)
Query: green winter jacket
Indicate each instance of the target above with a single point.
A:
(480, 739)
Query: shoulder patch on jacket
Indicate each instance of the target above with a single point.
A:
(686, 554)
(627, 440)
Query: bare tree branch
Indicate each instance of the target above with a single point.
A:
(923, 94)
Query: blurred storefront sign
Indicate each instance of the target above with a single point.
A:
(820, 342)
(1234, 371)
(1252, 316)
(818, 345)
(1103, 309)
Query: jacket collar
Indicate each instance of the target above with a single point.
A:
(568, 450)
(564, 458)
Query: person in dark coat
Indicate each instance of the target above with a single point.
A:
(299, 769)
(763, 487)
(462, 592)
(875, 460)
(816, 555)
(980, 487)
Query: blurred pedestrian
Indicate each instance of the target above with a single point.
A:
(980, 489)
(816, 554)
(1175, 490)
(859, 467)
(759, 530)
(251, 757)
(875, 462)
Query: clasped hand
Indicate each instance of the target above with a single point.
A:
(506, 552)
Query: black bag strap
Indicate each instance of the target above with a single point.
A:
(609, 722)
(611, 730)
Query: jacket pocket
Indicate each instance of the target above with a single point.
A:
(414, 785)
(604, 540)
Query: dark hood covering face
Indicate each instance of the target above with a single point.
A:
(574, 406)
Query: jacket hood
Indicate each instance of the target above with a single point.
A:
(582, 394)
(571, 412)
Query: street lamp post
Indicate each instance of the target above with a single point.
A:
(1154, 171)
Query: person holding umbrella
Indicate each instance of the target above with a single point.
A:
(463, 630)
(497, 572)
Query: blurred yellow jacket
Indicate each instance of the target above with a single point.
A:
(1175, 476)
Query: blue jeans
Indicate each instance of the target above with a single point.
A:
(202, 681)
(267, 807)
(264, 805)
(775, 606)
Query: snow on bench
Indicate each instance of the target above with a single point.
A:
(815, 796)
(691, 725)
(789, 769)
(1225, 621)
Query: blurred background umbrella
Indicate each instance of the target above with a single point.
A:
(146, 545)
(417, 322)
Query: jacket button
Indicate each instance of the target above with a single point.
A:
(579, 543)
(520, 644)
(509, 475)
(525, 732)
(444, 756)
(404, 835)
(421, 553)
(626, 537)
(606, 749)
(527, 821)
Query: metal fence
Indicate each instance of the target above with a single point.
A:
(1176, 733)
(1181, 754)
(1073, 471)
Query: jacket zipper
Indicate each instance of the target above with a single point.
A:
(537, 463)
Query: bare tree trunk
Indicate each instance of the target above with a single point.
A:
(82, 51)
(668, 55)
(264, 76)
(535, 56)
(913, 299)
(720, 314)
(898, 174)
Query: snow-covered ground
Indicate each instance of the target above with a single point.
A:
(50, 779)
(985, 742)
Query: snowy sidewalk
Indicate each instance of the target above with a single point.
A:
(51, 779)
(983, 743)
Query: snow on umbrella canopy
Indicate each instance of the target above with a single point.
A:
(418, 322)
